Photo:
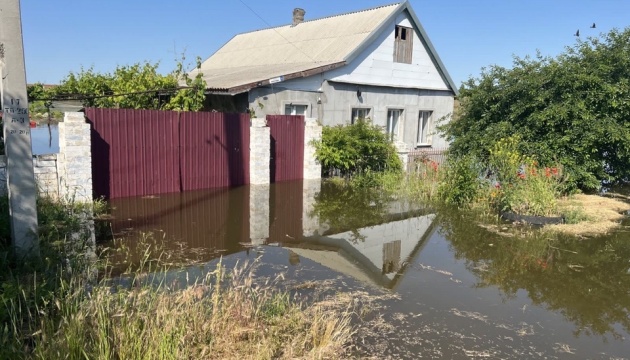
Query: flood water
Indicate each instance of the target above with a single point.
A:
(455, 290)
(45, 139)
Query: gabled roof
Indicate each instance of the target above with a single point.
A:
(311, 47)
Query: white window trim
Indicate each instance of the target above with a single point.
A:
(370, 112)
(401, 121)
(299, 103)
(429, 130)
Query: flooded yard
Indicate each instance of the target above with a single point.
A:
(434, 283)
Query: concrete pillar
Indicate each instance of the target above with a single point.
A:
(310, 221)
(259, 213)
(22, 189)
(259, 152)
(74, 164)
(75, 158)
(403, 153)
(312, 132)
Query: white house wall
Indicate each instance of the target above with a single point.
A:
(375, 66)
(340, 98)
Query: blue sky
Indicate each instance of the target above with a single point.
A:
(63, 35)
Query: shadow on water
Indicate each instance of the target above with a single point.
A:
(463, 288)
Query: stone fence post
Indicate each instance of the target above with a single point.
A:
(312, 132)
(259, 152)
(75, 158)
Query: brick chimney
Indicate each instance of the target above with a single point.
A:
(298, 16)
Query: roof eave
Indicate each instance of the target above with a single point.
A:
(295, 75)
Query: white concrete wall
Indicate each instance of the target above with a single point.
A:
(45, 168)
(376, 66)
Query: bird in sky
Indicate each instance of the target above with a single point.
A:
(577, 33)
(593, 26)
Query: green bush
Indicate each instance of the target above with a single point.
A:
(571, 109)
(354, 149)
(462, 180)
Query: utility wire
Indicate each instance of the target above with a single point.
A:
(277, 32)
(63, 97)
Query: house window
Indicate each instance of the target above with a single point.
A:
(424, 126)
(360, 113)
(393, 121)
(403, 44)
(293, 109)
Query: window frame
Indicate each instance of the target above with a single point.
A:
(365, 108)
(403, 44)
(429, 135)
(296, 103)
(394, 134)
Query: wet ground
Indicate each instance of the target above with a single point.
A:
(435, 284)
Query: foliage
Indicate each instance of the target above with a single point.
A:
(520, 185)
(419, 185)
(572, 110)
(355, 149)
(461, 181)
(29, 286)
(137, 86)
(192, 97)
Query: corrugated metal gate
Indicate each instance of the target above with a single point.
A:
(287, 147)
(145, 152)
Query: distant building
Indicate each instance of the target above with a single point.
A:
(377, 63)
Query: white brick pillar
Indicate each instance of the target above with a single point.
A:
(75, 158)
(312, 132)
(259, 152)
(310, 221)
(258, 213)
(74, 164)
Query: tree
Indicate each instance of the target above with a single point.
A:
(137, 86)
(573, 109)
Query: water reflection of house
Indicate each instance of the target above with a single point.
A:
(378, 256)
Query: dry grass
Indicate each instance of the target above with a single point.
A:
(227, 315)
(601, 215)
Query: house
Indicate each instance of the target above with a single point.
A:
(377, 63)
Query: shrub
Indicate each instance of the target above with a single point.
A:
(353, 149)
(522, 185)
(462, 181)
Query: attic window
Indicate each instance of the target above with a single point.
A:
(403, 44)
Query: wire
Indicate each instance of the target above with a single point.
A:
(274, 29)
(84, 97)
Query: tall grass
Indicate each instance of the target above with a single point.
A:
(226, 315)
(52, 310)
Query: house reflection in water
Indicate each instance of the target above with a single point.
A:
(224, 222)
(379, 257)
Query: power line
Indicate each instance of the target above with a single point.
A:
(276, 31)
(63, 97)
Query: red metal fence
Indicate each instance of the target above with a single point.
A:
(287, 147)
(145, 152)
